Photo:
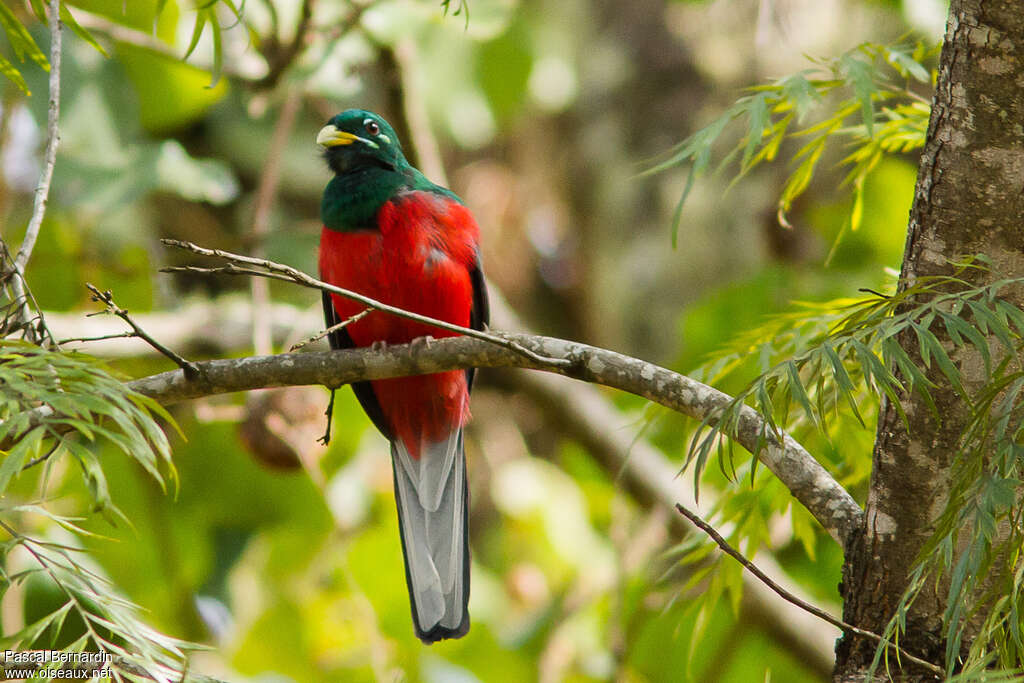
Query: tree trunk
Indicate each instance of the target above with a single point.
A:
(969, 200)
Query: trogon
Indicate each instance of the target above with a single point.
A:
(392, 235)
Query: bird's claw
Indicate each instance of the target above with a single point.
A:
(379, 345)
(421, 342)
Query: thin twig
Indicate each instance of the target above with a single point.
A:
(329, 414)
(108, 299)
(280, 271)
(119, 335)
(44, 457)
(42, 193)
(789, 597)
(333, 328)
(34, 328)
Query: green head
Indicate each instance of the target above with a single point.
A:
(357, 139)
(369, 168)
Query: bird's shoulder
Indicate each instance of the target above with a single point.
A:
(418, 186)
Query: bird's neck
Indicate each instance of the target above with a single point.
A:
(352, 199)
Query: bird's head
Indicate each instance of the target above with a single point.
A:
(356, 139)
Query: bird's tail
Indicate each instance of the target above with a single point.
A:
(431, 493)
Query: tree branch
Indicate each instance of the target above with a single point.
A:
(18, 285)
(580, 411)
(107, 299)
(808, 481)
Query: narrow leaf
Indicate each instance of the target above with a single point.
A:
(797, 387)
(81, 32)
(12, 74)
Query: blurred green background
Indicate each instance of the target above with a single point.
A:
(283, 556)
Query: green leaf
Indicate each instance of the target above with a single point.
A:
(27, 636)
(801, 177)
(905, 63)
(799, 393)
(94, 477)
(15, 460)
(931, 345)
(957, 329)
(757, 113)
(39, 9)
(69, 19)
(857, 213)
(158, 12)
(1013, 313)
(843, 379)
(218, 50)
(1004, 492)
(12, 74)
(861, 76)
(21, 40)
(197, 32)
(989, 322)
(803, 95)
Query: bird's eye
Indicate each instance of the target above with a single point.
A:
(371, 127)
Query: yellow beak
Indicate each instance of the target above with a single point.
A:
(330, 136)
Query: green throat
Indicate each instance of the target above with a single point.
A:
(351, 200)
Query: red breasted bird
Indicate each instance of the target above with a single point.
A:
(393, 235)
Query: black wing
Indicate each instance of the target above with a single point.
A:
(339, 339)
(480, 314)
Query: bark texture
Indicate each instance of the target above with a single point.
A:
(808, 481)
(969, 200)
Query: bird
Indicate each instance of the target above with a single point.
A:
(391, 234)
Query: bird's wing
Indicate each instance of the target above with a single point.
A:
(480, 314)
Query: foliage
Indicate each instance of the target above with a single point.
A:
(838, 356)
(298, 573)
(24, 45)
(206, 14)
(56, 404)
(108, 622)
(870, 83)
(51, 397)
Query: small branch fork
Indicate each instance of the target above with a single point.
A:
(13, 316)
(106, 298)
(277, 271)
(792, 599)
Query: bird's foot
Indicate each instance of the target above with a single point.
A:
(379, 345)
(421, 342)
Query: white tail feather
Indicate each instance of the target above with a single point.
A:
(430, 492)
